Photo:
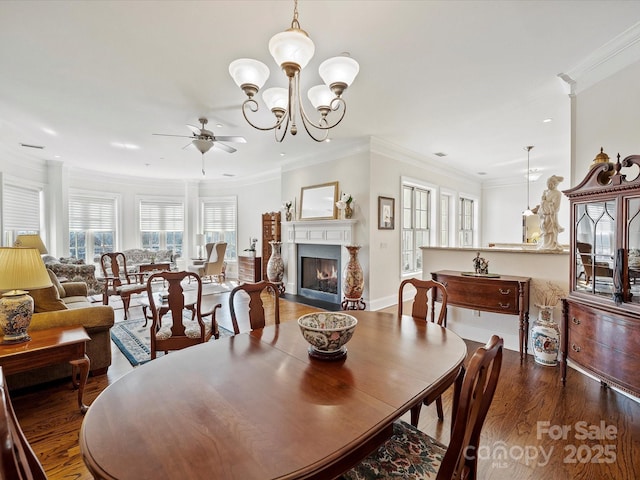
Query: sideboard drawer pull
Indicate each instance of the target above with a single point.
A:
(504, 306)
(505, 292)
(575, 321)
(575, 347)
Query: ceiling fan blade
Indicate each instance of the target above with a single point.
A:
(187, 145)
(194, 129)
(224, 147)
(169, 135)
(231, 138)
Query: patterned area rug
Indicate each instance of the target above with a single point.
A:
(133, 340)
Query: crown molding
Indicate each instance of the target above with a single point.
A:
(613, 56)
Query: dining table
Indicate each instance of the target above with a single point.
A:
(257, 406)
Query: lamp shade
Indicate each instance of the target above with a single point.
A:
(32, 241)
(22, 269)
(338, 70)
(292, 46)
(276, 97)
(248, 71)
(320, 96)
(199, 239)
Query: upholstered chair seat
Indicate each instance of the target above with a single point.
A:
(191, 330)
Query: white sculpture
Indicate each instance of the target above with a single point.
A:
(548, 213)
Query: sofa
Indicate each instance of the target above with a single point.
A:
(138, 256)
(75, 271)
(67, 304)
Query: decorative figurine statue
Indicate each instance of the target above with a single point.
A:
(548, 213)
(480, 265)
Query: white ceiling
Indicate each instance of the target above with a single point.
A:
(473, 79)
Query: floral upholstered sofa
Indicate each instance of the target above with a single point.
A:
(74, 270)
(138, 256)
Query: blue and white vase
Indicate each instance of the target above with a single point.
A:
(545, 335)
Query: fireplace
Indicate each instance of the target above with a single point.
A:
(318, 269)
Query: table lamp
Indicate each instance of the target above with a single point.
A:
(31, 240)
(22, 268)
(200, 244)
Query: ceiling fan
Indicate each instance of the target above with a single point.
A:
(204, 139)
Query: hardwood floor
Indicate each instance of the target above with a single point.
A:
(521, 438)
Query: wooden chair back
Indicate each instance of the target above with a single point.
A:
(426, 293)
(114, 267)
(472, 399)
(257, 317)
(178, 335)
(17, 458)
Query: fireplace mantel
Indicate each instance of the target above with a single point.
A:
(319, 232)
(325, 232)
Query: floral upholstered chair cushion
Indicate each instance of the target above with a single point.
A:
(409, 453)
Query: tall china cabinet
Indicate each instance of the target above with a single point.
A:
(601, 314)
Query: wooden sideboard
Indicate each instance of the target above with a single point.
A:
(249, 269)
(506, 294)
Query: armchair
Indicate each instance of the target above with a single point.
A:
(215, 265)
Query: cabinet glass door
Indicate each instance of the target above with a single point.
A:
(633, 248)
(595, 232)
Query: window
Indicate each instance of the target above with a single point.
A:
(22, 211)
(416, 219)
(92, 226)
(466, 222)
(219, 221)
(162, 225)
(445, 224)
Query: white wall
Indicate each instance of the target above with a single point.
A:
(608, 116)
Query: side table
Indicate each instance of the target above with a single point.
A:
(49, 347)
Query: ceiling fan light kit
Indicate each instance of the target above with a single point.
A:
(292, 50)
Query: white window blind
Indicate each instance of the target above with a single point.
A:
(219, 215)
(92, 213)
(161, 216)
(21, 208)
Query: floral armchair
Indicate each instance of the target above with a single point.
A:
(75, 270)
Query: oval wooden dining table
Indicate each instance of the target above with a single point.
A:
(256, 406)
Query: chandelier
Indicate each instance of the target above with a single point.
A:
(292, 50)
(528, 211)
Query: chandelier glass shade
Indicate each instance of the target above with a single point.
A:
(292, 50)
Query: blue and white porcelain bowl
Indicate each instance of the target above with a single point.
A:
(327, 332)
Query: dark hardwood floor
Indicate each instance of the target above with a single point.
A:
(522, 436)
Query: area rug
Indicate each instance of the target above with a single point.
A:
(133, 340)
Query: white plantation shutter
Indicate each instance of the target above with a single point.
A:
(21, 208)
(220, 214)
(160, 216)
(92, 213)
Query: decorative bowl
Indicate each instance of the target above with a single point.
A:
(327, 333)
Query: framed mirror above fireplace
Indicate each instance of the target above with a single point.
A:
(318, 202)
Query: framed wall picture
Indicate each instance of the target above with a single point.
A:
(386, 213)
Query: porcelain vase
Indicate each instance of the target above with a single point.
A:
(15, 317)
(348, 211)
(352, 275)
(545, 335)
(275, 265)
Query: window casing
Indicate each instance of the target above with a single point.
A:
(92, 226)
(161, 225)
(416, 222)
(220, 223)
(445, 217)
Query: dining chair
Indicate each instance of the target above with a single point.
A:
(17, 458)
(257, 317)
(178, 332)
(424, 307)
(410, 453)
(118, 280)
